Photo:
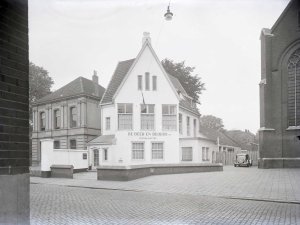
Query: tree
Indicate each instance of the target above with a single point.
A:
(191, 83)
(40, 83)
(211, 122)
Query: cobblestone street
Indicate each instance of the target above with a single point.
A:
(52, 204)
(230, 197)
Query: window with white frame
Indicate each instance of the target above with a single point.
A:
(154, 83)
(188, 127)
(157, 150)
(147, 81)
(187, 154)
(140, 82)
(125, 116)
(169, 118)
(105, 154)
(293, 91)
(138, 150)
(57, 119)
(205, 154)
(107, 123)
(42, 121)
(195, 127)
(180, 123)
(147, 117)
(73, 116)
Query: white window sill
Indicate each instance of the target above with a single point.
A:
(293, 128)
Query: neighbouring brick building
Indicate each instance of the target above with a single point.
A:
(279, 134)
(70, 116)
(14, 118)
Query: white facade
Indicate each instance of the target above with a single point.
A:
(152, 137)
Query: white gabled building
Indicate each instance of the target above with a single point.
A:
(147, 117)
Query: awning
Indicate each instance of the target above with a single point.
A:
(103, 140)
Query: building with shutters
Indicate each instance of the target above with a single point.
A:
(70, 116)
(279, 134)
(147, 117)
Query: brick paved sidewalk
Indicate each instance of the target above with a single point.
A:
(246, 183)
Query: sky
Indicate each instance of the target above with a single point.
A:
(220, 38)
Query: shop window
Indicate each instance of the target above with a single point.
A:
(187, 153)
(138, 150)
(157, 150)
(147, 117)
(125, 116)
(169, 118)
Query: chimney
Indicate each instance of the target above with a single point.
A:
(95, 81)
(146, 37)
(95, 77)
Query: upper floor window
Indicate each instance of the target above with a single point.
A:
(180, 123)
(107, 123)
(294, 89)
(73, 116)
(73, 144)
(188, 127)
(169, 118)
(57, 119)
(147, 117)
(140, 82)
(154, 83)
(147, 81)
(42, 121)
(125, 116)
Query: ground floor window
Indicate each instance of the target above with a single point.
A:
(96, 157)
(56, 144)
(105, 154)
(157, 150)
(138, 150)
(187, 154)
(205, 154)
(72, 144)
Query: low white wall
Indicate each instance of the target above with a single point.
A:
(50, 156)
(70, 157)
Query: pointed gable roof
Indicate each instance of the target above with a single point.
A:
(116, 80)
(77, 87)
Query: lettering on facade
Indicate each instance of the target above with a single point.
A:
(148, 135)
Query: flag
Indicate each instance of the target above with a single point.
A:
(143, 99)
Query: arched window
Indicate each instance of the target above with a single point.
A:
(294, 89)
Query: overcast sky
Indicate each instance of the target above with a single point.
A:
(71, 38)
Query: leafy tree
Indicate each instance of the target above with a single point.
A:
(211, 122)
(40, 84)
(191, 83)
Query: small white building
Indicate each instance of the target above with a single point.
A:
(147, 117)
